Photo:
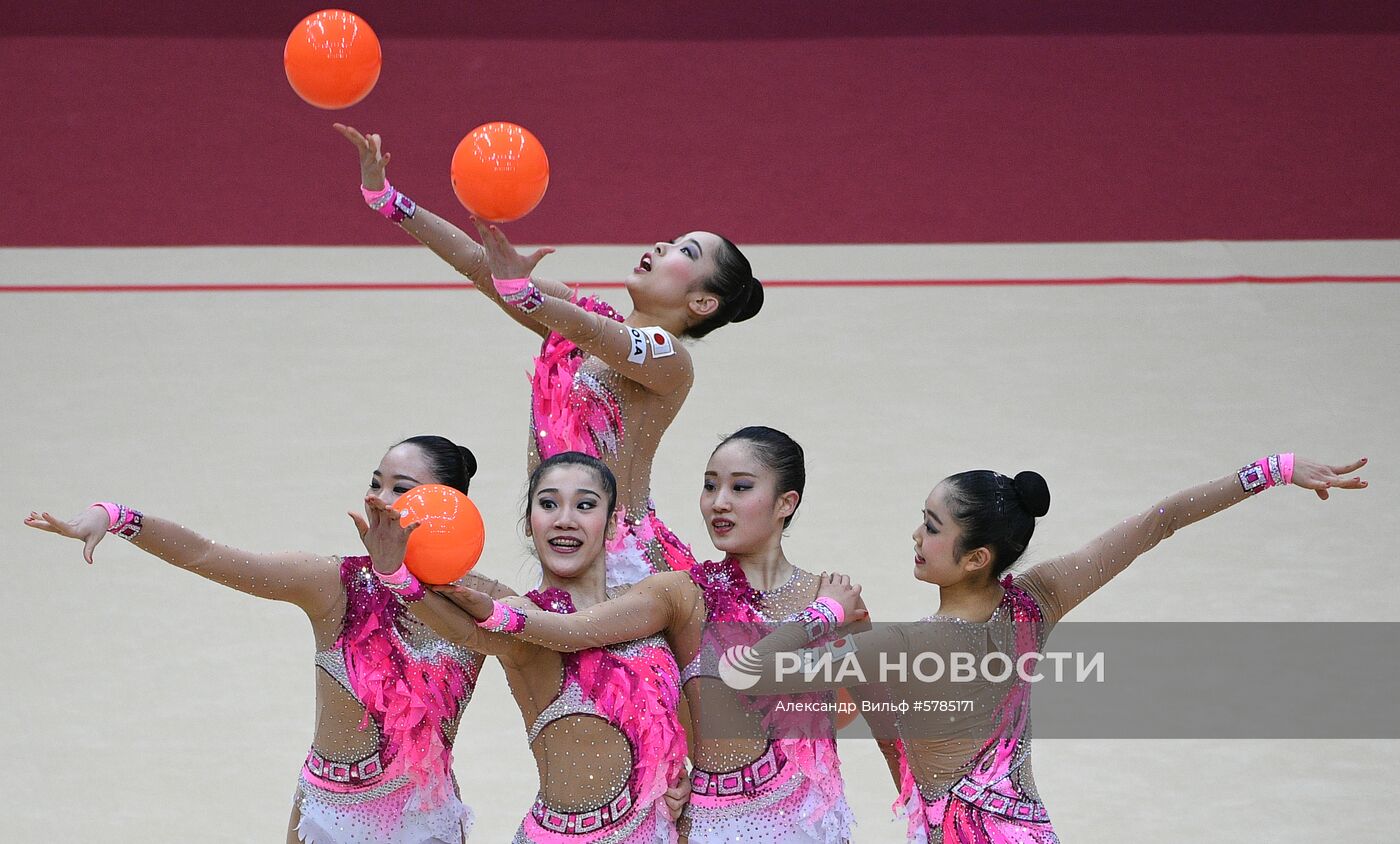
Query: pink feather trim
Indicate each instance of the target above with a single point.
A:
(566, 418)
(732, 600)
(411, 700)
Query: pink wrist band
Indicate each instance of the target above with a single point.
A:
(520, 293)
(122, 521)
(402, 583)
(398, 577)
(511, 286)
(376, 198)
(835, 607)
(503, 619)
(1274, 470)
(113, 512)
(390, 203)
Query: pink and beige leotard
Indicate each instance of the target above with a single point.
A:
(751, 782)
(578, 404)
(793, 792)
(413, 686)
(966, 775)
(633, 690)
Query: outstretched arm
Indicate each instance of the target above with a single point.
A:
(656, 603)
(650, 356)
(442, 617)
(1059, 585)
(445, 240)
(310, 581)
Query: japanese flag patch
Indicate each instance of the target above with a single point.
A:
(842, 646)
(662, 346)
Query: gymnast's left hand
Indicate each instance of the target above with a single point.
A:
(373, 158)
(88, 526)
(384, 537)
(1320, 477)
(504, 260)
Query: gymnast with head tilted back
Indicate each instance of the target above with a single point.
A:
(603, 384)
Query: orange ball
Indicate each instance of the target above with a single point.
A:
(500, 172)
(332, 59)
(450, 533)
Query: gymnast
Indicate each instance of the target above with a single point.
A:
(750, 782)
(602, 384)
(389, 693)
(602, 722)
(966, 774)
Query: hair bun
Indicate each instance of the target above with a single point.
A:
(753, 302)
(1033, 492)
(468, 461)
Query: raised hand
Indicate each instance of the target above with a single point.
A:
(839, 588)
(88, 527)
(373, 159)
(384, 537)
(505, 262)
(1320, 477)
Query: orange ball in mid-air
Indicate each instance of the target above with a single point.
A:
(500, 172)
(450, 533)
(332, 59)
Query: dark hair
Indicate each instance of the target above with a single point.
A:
(997, 512)
(573, 458)
(453, 464)
(779, 454)
(740, 294)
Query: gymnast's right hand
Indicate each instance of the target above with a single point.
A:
(476, 604)
(373, 159)
(88, 526)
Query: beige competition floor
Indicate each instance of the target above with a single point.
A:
(142, 704)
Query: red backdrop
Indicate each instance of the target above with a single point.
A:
(979, 122)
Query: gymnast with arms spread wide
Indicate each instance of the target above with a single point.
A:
(389, 692)
(967, 774)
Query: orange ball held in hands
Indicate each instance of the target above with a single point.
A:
(450, 533)
(500, 172)
(332, 59)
